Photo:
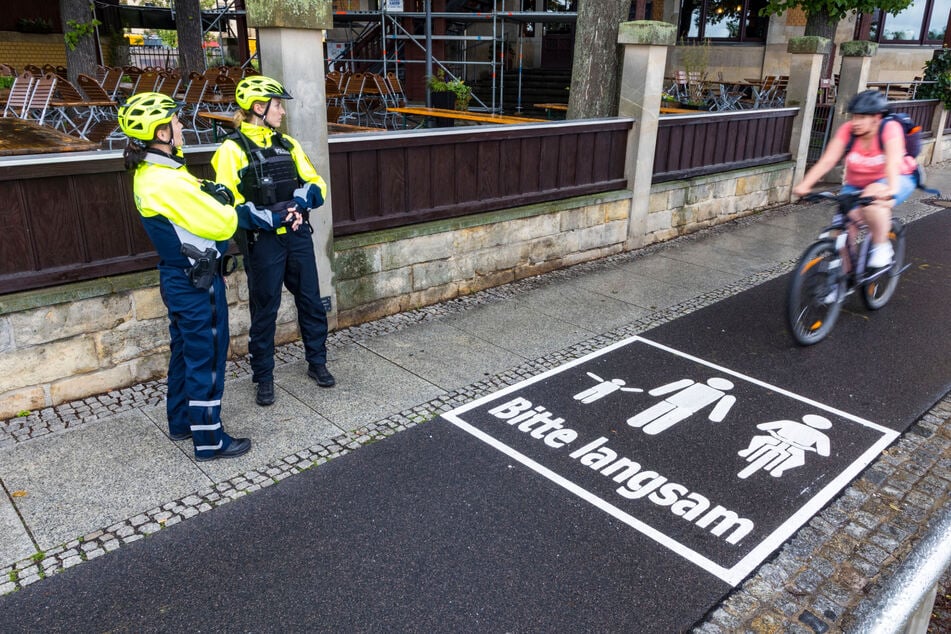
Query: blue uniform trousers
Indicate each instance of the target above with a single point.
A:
(274, 259)
(198, 325)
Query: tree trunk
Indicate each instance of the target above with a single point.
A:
(820, 24)
(595, 75)
(81, 58)
(191, 55)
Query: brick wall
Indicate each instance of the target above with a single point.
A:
(20, 49)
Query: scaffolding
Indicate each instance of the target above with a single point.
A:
(387, 27)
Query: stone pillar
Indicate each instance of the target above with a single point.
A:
(642, 84)
(853, 78)
(805, 68)
(938, 124)
(291, 45)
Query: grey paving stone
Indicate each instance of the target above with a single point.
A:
(68, 495)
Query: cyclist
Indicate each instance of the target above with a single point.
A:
(181, 215)
(272, 178)
(887, 174)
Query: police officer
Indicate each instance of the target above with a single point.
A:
(190, 227)
(270, 175)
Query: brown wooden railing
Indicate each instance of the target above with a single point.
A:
(397, 179)
(72, 218)
(921, 111)
(695, 145)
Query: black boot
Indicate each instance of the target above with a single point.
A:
(265, 393)
(321, 374)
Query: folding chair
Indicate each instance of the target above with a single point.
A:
(101, 107)
(194, 103)
(19, 96)
(39, 103)
(147, 81)
(110, 82)
(221, 95)
(396, 88)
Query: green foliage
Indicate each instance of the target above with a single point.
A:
(438, 83)
(6, 81)
(34, 25)
(76, 30)
(938, 69)
(836, 9)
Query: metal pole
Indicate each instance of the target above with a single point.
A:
(914, 579)
(429, 50)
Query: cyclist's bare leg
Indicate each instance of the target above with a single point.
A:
(878, 215)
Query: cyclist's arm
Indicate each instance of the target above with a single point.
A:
(833, 152)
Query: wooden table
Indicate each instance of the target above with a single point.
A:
(462, 115)
(228, 119)
(666, 110)
(548, 107)
(19, 136)
(233, 120)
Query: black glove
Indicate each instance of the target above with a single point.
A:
(218, 191)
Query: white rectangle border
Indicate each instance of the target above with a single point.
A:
(736, 574)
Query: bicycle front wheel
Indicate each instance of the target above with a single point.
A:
(815, 294)
(877, 292)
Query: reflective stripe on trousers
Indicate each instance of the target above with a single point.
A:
(198, 327)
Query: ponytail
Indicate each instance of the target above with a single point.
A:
(134, 153)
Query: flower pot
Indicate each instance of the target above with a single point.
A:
(447, 101)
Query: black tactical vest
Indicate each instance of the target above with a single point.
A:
(271, 176)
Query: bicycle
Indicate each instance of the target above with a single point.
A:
(820, 283)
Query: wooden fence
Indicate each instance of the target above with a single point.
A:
(695, 145)
(397, 179)
(72, 219)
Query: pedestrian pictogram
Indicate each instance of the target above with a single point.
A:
(687, 398)
(602, 389)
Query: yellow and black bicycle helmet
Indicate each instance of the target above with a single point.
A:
(258, 88)
(144, 112)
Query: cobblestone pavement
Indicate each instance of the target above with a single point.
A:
(813, 584)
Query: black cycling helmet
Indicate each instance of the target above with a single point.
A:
(868, 102)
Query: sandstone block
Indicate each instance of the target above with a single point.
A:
(411, 251)
(27, 399)
(6, 335)
(148, 303)
(61, 321)
(132, 340)
(150, 367)
(98, 382)
(42, 364)
(358, 262)
(431, 274)
(617, 210)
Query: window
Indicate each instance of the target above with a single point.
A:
(723, 20)
(924, 22)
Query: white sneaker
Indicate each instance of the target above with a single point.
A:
(881, 256)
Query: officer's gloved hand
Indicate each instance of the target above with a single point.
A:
(308, 197)
(219, 191)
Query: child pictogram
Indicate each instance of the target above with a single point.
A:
(688, 398)
(602, 389)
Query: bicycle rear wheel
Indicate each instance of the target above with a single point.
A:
(815, 294)
(877, 292)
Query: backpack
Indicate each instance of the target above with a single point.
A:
(912, 134)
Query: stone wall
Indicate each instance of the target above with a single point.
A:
(78, 340)
(684, 206)
(386, 272)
